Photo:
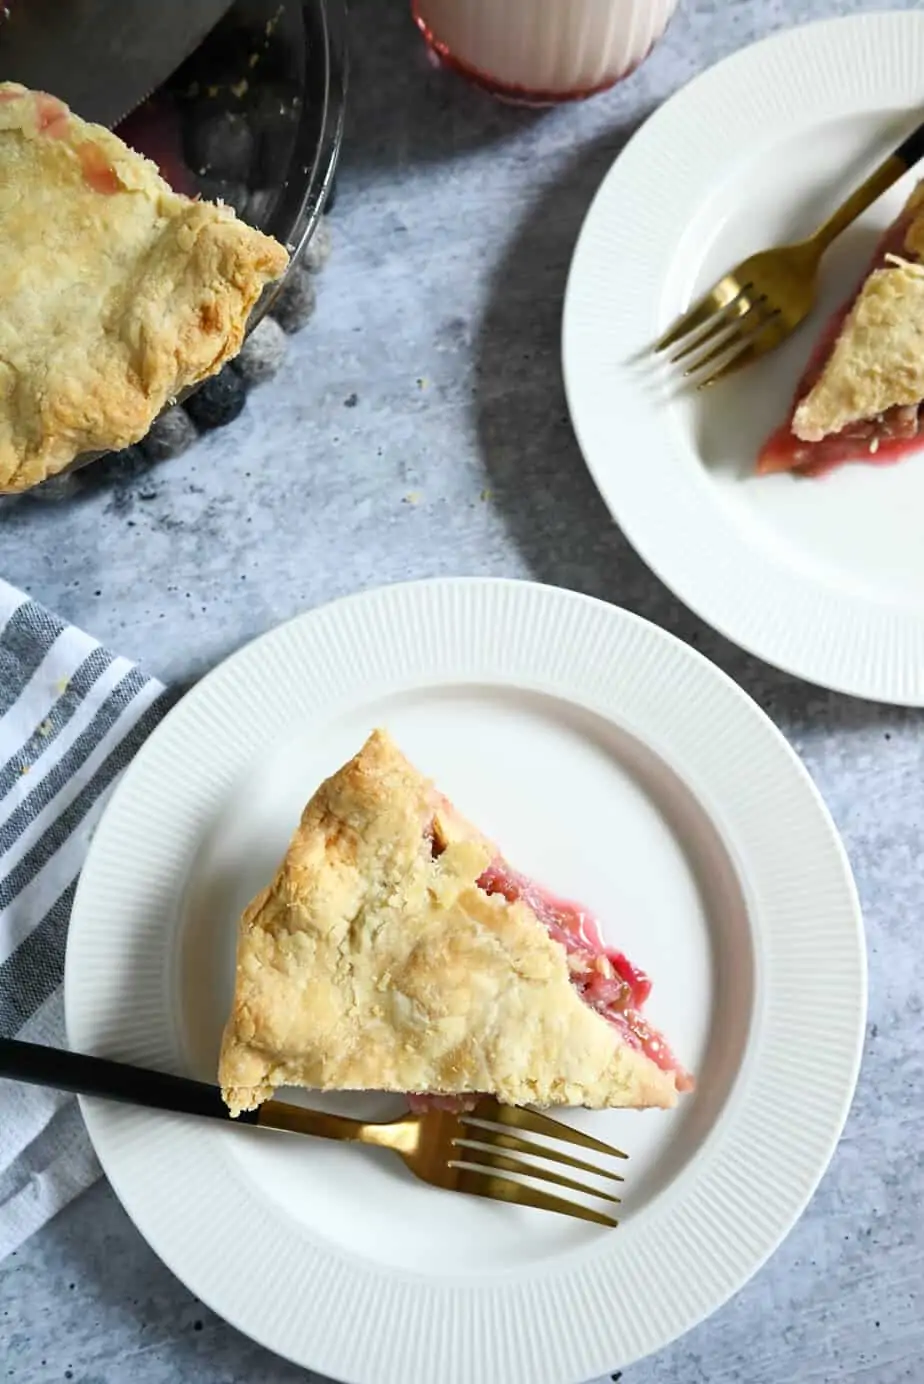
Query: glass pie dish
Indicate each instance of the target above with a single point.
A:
(254, 118)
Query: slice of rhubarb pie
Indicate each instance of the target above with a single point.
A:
(860, 398)
(397, 951)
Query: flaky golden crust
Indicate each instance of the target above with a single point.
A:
(369, 965)
(115, 292)
(878, 359)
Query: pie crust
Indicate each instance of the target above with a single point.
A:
(117, 291)
(376, 961)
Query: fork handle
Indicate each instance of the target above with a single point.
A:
(298, 1119)
(98, 1076)
(119, 1081)
(911, 149)
(879, 181)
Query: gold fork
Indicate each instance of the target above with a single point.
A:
(481, 1153)
(760, 302)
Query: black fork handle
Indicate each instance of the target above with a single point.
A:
(99, 1076)
(911, 149)
(879, 181)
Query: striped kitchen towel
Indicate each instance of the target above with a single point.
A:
(71, 717)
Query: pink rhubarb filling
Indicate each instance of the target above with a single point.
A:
(53, 120)
(604, 978)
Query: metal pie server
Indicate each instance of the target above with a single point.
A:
(102, 57)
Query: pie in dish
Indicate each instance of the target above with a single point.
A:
(117, 291)
(396, 950)
(860, 398)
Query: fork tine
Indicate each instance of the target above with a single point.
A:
(741, 342)
(536, 1123)
(493, 1139)
(480, 1181)
(746, 356)
(729, 319)
(518, 1165)
(724, 292)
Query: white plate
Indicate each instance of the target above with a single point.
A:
(620, 767)
(824, 578)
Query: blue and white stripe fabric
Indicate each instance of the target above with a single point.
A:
(71, 717)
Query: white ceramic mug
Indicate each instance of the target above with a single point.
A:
(543, 50)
